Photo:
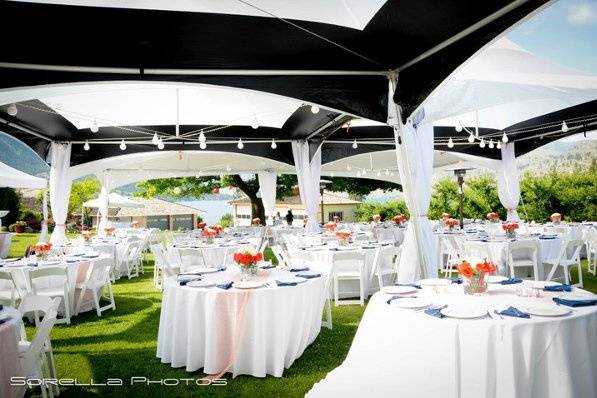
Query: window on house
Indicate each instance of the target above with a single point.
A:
(332, 214)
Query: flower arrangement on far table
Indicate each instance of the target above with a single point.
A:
(556, 218)
(376, 218)
(135, 224)
(343, 236)
(400, 219)
(446, 216)
(450, 223)
(87, 236)
(510, 228)
(209, 233)
(493, 217)
(42, 250)
(247, 260)
(474, 275)
(256, 221)
(109, 231)
(201, 224)
(331, 226)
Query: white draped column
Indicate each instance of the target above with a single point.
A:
(43, 235)
(267, 189)
(60, 184)
(508, 181)
(103, 203)
(308, 172)
(414, 153)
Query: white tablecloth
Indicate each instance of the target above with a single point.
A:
(213, 255)
(9, 353)
(199, 327)
(5, 239)
(402, 353)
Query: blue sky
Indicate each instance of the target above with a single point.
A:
(565, 33)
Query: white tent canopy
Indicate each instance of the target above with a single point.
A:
(114, 201)
(13, 178)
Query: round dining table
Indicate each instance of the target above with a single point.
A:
(407, 352)
(255, 332)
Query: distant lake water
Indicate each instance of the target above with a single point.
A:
(213, 210)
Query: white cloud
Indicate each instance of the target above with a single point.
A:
(582, 14)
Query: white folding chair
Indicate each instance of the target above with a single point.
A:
(386, 263)
(8, 289)
(568, 257)
(523, 253)
(349, 266)
(158, 264)
(190, 258)
(98, 278)
(384, 235)
(450, 255)
(280, 255)
(110, 250)
(39, 305)
(33, 358)
(41, 275)
(130, 258)
(591, 247)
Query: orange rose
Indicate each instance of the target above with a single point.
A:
(465, 269)
(486, 266)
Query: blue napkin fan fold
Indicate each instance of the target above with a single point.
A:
(574, 303)
(226, 285)
(309, 276)
(299, 269)
(280, 283)
(511, 281)
(514, 312)
(558, 288)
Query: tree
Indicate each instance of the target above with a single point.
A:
(10, 200)
(386, 210)
(360, 186)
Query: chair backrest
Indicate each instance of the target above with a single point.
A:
(44, 272)
(104, 248)
(132, 250)
(385, 234)
(29, 359)
(476, 249)
(190, 257)
(449, 246)
(158, 254)
(523, 250)
(100, 271)
(280, 255)
(387, 256)
(348, 261)
(572, 249)
(37, 304)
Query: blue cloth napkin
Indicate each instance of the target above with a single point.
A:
(457, 281)
(574, 303)
(515, 312)
(225, 286)
(280, 283)
(511, 281)
(547, 236)
(185, 281)
(435, 311)
(409, 284)
(299, 269)
(309, 276)
(558, 288)
(268, 266)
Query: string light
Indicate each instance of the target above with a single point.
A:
(255, 124)
(482, 143)
(155, 140)
(314, 109)
(564, 127)
(202, 145)
(387, 172)
(202, 137)
(364, 171)
(122, 145)
(504, 138)
(458, 127)
(240, 144)
(228, 168)
(450, 143)
(86, 146)
(490, 144)
(274, 145)
(160, 144)
(12, 110)
(94, 127)
(378, 173)
(348, 167)
(499, 145)
(354, 144)
(471, 138)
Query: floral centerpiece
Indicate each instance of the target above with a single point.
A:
(201, 224)
(376, 218)
(209, 233)
(42, 250)
(109, 231)
(556, 218)
(217, 227)
(450, 223)
(134, 224)
(400, 219)
(331, 226)
(493, 217)
(87, 236)
(247, 260)
(510, 228)
(256, 221)
(343, 236)
(336, 219)
(445, 216)
(474, 271)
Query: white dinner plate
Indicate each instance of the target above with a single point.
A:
(464, 312)
(201, 270)
(435, 282)
(399, 289)
(496, 278)
(411, 302)
(292, 279)
(201, 284)
(547, 310)
(542, 284)
(248, 284)
(49, 262)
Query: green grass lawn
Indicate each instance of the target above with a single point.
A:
(122, 344)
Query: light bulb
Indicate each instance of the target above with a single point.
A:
(314, 109)
(155, 140)
(387, 172)
(379, 173)
(94, 127)
(122, 145)
(458, 127)
(228, 168)
(490, 144)
(482, 143)
(202, 137)
(358, 173)
(504, 138)
(450, 143)
(203, 145)
(499, 145)
(564, 127)
(348, 167)
(332, 174)
(86, 146)
(355, 145)
(255, 124)
(240, 144)
(471, 138)
(364, 171)
(12, 109)
(160, 144)
(274, 145)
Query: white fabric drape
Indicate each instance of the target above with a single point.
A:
(60, 184)
(414, 152)
(43, 236)
(508, 182)
(267, 189)
(103, 204)
(308, 173)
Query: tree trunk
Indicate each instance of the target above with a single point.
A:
(257, 209)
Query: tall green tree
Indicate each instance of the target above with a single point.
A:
(10, 200)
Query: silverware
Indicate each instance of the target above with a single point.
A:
(500, 315)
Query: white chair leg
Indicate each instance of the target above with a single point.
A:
(336, 298)
(67, 308)
(52, 366)
(362, 292)
(97, 303)
(580, 283)
(328, 305)
(111, 297)
(80, 300)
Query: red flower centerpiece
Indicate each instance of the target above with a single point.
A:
(400, 219)
(210, 233)
(556, 218)
(450, 223)
(331, 226)
(256, 221)
(109, 231)
(87, 236)
(201, 224)
(510, 228)
(493, 217)
(474, 271)
(42, 250)
(343, 236)
(247, 261)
